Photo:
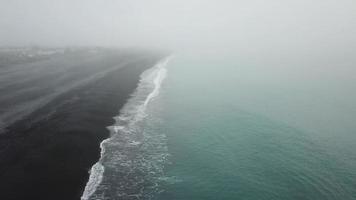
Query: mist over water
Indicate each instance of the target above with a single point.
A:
(258, 103)
(312, 39)
(250, 28)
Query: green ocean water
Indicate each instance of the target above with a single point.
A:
(237, 130)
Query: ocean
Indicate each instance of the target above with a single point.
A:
(227, 129)
(109, 124)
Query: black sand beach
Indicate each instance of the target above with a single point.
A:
(54, 113)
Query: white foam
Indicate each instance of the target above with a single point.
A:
(115, 128)
(96, 175)
(161, 74)
(130, 113)
(134, 143)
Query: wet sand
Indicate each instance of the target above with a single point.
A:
(54, 114)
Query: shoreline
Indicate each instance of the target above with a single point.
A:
(126, 123)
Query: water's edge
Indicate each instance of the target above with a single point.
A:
(129, 114)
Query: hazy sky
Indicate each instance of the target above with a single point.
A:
(248, 26)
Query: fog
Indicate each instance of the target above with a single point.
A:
(249, 27)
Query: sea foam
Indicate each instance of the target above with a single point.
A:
(127, 137)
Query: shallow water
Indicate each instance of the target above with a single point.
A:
(133, 157)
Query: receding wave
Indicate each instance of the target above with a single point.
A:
(132, 159)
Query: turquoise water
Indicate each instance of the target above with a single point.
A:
(239, 131)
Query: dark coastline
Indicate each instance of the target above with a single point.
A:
(47, 154)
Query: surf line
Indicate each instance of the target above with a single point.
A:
(98, 169)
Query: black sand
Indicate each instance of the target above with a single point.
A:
(47, 149)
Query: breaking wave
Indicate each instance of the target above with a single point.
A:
(132, 158)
